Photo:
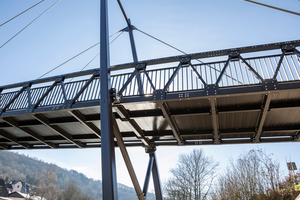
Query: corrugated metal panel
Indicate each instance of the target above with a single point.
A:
(240, 100)
(283, 117)
(188, 104)
(238, 120)
(195, 122)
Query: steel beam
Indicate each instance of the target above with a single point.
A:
(171, 122)
(30, 132)
(11, 138)
(263, 115)
(82, 119)
(297, 136)
(109, 176)
(148, 175)
(214, 120)
(156, 179)
(56, 129)
(224, 52)
(127, 159)
(122, 112)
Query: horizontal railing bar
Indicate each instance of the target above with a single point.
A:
(209, 54)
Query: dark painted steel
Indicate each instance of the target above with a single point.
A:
(127, 159)
(30, 132)
(171, 122)
(82, 119)
(279, 65)
(124, 14)
(57, 129)
(109, 176)
(172, 77)
(251, 68)
(223, 71)
(224, 52)
(122, 112)
(13, 99)
(11, 138)
(156, 179)
(263, 116)
(148, 176)
(197, 74)
(135, 72)
(214, 120)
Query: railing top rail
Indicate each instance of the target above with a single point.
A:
(224, 52)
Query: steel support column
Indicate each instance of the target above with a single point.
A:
(156, 179)
(148, 175)
(264, 111)
(109, 176)
(126, 158)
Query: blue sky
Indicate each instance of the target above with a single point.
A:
(193, 26)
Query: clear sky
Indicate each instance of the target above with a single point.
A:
(193, 26)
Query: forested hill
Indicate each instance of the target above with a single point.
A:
(14, 166)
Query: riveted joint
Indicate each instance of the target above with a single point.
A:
(288, 48)
(185, 60)
(140, 67)
(59, 79)
(234, 55)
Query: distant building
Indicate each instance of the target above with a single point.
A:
(20, 186)
(3, 189)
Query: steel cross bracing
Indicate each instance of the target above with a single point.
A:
(181, 105)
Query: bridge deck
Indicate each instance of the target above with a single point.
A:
(236, 100)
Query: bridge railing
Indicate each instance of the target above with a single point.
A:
(187, 76)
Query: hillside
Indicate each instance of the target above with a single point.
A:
(20, 167)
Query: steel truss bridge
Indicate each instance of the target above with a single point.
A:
(233, 99)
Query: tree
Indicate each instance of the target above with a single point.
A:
(44, 183)
(193, 176)
(254, 175)
(72, 192)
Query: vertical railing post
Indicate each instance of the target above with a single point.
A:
(109, 179)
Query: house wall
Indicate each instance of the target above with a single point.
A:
(17, 187)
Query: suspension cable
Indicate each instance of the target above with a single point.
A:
(29, 24)
(68, 60)
(98, 53)
(184, 53)
(80, 54)
(21, 13)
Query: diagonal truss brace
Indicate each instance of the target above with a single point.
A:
(171, 122)
(81, 118)
(30, 132)
(126, 158)
(252, 69)
(139, 68)
(214, 119)
(263, 116)
(32, 107)
(56, 129)
(14, 98)
(69, 103)
(122, 112)
(11, 138)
